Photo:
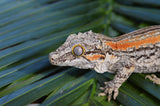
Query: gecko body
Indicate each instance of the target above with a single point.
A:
(134, 52)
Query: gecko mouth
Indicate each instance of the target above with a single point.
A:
(56, 59)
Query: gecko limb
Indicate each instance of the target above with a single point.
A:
(111, 87)
(153, 78)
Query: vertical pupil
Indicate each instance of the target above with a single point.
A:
(78, 50)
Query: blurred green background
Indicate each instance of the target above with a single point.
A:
(31, 29)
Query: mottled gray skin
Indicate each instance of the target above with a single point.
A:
(123, 63)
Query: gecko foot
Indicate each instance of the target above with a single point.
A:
(153, 78)
(109, 89)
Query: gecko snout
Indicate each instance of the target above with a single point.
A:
(53, 57)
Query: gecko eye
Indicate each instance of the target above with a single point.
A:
(78, 50)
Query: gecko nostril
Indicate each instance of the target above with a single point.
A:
(53, 57)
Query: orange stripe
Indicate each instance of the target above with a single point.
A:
(94, 57)
(112, 45)
(125, 44)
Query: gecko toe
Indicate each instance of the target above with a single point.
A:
(102, 88)
(153, 78)
(115, 94)
(101, 94)
(109, 90)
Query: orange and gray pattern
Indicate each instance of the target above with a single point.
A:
(134, 52)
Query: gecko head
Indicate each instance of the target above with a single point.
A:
(82, 51)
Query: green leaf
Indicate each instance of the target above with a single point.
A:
(31, 29)
(73, 89)
(147, 2)
(153, 15)
(43, 87)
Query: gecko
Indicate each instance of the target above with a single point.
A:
(134, 52)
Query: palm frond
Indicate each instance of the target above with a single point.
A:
(30, 29)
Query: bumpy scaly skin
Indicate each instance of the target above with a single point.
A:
(137, 51)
